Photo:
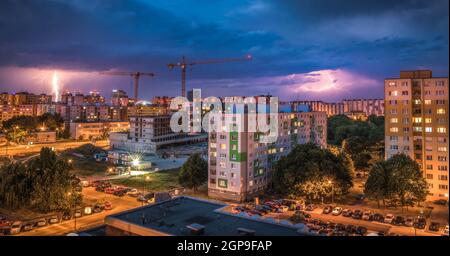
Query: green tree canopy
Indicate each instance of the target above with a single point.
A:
(399, 179)
(194, 172)
(43, 183)
(312, 172)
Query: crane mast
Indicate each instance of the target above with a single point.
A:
(183, 64)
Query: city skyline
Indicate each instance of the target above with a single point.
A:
(299, 54)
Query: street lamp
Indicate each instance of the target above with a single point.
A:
(74, 214)
(332, 191)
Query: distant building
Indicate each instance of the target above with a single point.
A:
(416, 124)
(96, 130)
(346, 106)
(150, 130)
(119, 98)
(42, 137)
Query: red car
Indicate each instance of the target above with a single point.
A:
(109, 190)
(108, 205)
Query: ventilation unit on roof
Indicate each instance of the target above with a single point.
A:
(196, 229)
(245, 232)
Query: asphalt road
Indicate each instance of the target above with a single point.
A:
(119, 204)
(24, 149)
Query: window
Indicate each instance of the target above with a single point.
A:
(428, 120)
(404, 93)
(393, 111)
(417, 129)
(394, 120)
(442, 140)
(429, 167)
(223, 183)
(442, 186)
(440, 83)
(429, 158)
(441, 130)
(393, 93)
(428, 129)
(442, 167)
(427, 102)
(440, 102)
(440, 92)
(440, 111)
(429, 176)
(394, 147)
(223, 146)
(392, 84)
(442, 158)
(442, 149)
(442, 177)
(393, 138)
(417, 120)
(393, 129)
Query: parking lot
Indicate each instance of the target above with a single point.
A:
(91, 197)
(338, 221)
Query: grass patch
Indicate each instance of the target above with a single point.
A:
(157, 181)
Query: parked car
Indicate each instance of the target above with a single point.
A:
(133, 193)
(367, 215)
(87, 210)
(305, 214)
(78, 214)
(66, 215)
(347, 213)
(336, 211)
(388, 218)
(434, 226)
(350, 228)
(440, 202)
(360, 197)
(98, 208)
(27, 226)
(310, 207)
(377, 217)
(16, 227)
(445, 233)
(357, 214)
(420, 223)
(109, 190)
(41, 222)
(53, 219)
(119, 192)
(361, 230)
(108, 205)
(283, 208)
(327, 209)
(409, 221)
(398, 221)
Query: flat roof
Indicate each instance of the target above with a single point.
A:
(173, 216)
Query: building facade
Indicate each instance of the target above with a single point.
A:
(416, 124)
(96, 130)
(240, 167)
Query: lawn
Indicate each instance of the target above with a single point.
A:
(156, 181)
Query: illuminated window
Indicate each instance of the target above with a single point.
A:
(417, 120)
(391, 84)
(427, 102)
(223, 146)
(393, 93)
(428, 120)
(394, 120)
(442, 149)
(428, 129)
(440, 111)
(417, 102)
(417, 129)
(441, 130)
(393, 129)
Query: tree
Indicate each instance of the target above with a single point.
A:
(399, 179)
(194, 172)
(312, 172)
(44, 183)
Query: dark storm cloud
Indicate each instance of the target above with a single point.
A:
(373, 38)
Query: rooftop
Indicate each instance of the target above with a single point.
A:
(173, 217)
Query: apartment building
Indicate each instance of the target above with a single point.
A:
(9, 111)
(416, 120)
(240, 167)
(348, 107)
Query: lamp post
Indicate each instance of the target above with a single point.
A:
(74, 214)
(332, 191)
